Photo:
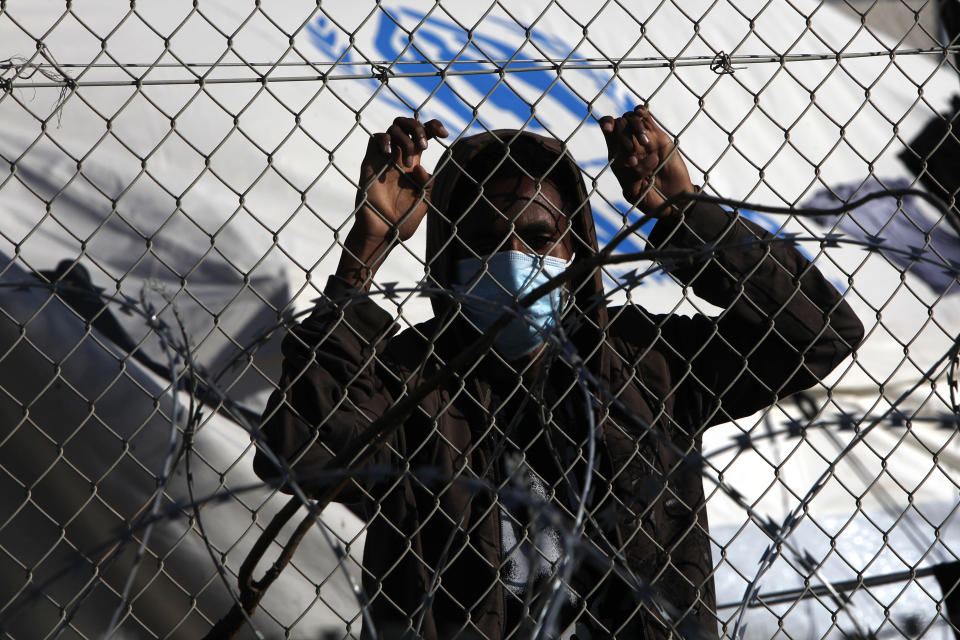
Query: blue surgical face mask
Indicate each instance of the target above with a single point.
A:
(507, 277)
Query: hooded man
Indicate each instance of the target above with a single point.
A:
(469, 501)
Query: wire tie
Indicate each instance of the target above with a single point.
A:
(721, 64)
(381, 72)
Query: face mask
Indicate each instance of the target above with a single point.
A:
(508, 277)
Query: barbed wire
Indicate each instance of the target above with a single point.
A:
(870, 245)
(346, 471)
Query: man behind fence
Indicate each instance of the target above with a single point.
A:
(470, 501)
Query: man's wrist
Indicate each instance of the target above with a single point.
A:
(363, 253)
(360, 241)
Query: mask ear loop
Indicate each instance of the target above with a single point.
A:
(566, 296)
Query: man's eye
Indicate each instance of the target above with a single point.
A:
(541, 241)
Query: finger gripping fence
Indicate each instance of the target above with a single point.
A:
(479, 320)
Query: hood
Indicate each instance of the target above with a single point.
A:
(454, 165)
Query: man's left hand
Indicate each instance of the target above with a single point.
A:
(645, 160)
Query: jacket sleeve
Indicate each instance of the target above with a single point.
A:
(331, 386)
(784, 326)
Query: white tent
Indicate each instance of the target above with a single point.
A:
(202, 165)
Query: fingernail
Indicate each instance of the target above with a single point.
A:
(388, 148)
(408, 161)
(644, 138)
(422, 143)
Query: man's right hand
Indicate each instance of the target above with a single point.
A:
(394, 186)
(391, 200)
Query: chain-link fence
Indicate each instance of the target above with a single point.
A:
(433, 451)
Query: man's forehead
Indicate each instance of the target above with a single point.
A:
(496, 212)
(517, 197)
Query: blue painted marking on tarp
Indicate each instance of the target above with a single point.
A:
(448, 39)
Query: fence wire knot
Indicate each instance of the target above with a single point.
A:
(381, 72)
(722, 65)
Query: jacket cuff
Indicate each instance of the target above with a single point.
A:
(700, 224)
(338, 289)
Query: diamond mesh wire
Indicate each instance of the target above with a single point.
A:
(180, 179)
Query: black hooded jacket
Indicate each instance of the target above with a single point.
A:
(430, 492)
